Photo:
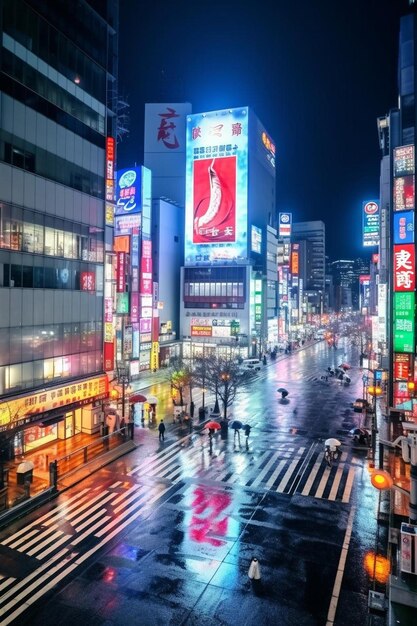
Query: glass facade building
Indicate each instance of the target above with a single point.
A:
(58, 64)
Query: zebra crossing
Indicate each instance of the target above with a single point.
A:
(52, 545)
(56, 543)
(284, 469)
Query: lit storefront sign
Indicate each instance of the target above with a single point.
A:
(404, 193)
(87, 281)
(146, 284)
(256, 240)
(258, 302)
(122, 303)
(126, 224)
(109, 214)
(285, 222)
(134, 313)
(121, 272)
(404, 267)
(154, 355)
(402, 366)
(370, 223)
(404, 161)
(382, 312)
(213, 327)
(216, 186)
(404, 227)
(294, 259)
(145, 325)
(129, 191)
(110, 159)
(20, 411)
(403, 329)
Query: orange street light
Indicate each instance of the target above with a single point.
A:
(381, 480)
(374, 391)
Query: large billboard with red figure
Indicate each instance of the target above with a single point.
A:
(216, 207)
(215, 200)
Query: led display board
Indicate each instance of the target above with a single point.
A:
(404, 161)
(284, 225)
(402, 366)
(404, 193)
(295, 261)
(126, 224)
(256, 240)
(404, 227)
(403, 327)
(216, 186)
(370, 223)
(404, 267)
(128, 191)
(110, 160)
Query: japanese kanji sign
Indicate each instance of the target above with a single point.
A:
(404, 267)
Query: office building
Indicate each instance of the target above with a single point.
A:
(58, 79)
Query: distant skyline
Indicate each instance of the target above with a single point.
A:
(316, 74)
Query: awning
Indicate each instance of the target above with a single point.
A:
(48, 421)
(137, 397)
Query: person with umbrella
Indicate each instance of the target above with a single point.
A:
(283, 392)
(247, 429)
(212, 427)
(332, 450)
(236, 425)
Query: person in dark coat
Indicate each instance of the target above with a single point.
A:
(247, 430)
(161, 429)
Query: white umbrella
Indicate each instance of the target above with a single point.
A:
(25, 466)
(152, 399)
(332, 442)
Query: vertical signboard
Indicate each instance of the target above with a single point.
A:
(217, 186)
(110, 159)
(403, 330)
(121, 272)
(404, 227)
(370, 223)
(129, 191)
(404, 267)
(285, 224)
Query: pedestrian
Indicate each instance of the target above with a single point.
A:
(247, 431)
(192, 407)
(161, 429)
(254, 572)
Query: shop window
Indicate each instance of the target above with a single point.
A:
(240, 290)
(38, 239)
(27, 375)
(27, 276)
(28, 241)
(38, 372)
(15, 377)
(70, 246)
(50, 241)
(48, 369)
(15, 275)
(38, 277)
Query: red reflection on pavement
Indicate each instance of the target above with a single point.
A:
(207, 518)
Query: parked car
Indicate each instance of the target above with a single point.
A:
(251, 364)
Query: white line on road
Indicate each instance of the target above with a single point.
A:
(349, 485)
(340, 571)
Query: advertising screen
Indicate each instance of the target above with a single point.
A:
(370, 223)
(128, 191)
(404, 227)
(256, 240)
(404, 322)
(284, 228)
(402, 366)
(404, 161)
(404, 267)
(216, 186)
(404, 193)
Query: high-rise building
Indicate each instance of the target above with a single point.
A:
(315, 233)
(58, 91)
(230, 237)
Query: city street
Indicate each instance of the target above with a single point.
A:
(166, 534)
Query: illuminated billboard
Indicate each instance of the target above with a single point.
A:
(404, 227)
(404, 161)
(284, 227)
(404, 193)
(403, 330)
(256, 240)
(216, 226)
(370, 223)
(404, 267)
(128, 191)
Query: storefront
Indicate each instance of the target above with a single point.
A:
(57, 413)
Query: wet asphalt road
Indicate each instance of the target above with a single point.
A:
(165, 535)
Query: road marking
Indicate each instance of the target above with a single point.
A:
(288, 474)
(349, 485)
(323, 482)
(277, 472)
(340, 571)
(55, 536)
(336, 482)
(265, 470)
(312, 477)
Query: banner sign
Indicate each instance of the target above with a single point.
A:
(403, 328)
(404, 161)
(370, 223)
(285, 225)
(404, 193)
(404, 227)
(404, 267)
(402, 366)
(129, 191)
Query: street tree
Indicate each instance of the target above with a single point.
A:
(180, 377)
(225, 378)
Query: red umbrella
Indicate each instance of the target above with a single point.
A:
(345, 366)
(214, 425)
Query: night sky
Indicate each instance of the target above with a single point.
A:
(317, 74)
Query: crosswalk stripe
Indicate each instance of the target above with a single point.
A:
(349, 484)
(265, 470)
(288, 474)
(312, 476)
(91, 530)
(52, 547)
(39, 537)
(276, 473)
(91, 509)
(132, 497)
(55, 536)
(6, 583)
(90, 520)
(14, 545)
(336, 482)
(323, 482)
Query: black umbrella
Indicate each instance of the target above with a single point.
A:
(236, 425)
(282, 390)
